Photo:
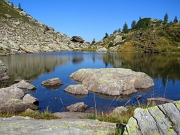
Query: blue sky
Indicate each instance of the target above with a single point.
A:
(93, 18)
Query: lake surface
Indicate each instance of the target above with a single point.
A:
(163, 68)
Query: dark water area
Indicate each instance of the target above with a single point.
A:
(163, 68)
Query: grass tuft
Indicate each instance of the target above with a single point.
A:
(33, 114)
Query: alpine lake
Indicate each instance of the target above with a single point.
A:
(163, 68)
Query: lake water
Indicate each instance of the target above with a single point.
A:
(163, 68)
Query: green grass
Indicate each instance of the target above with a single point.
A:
(34, 114)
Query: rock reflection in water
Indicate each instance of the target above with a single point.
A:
(31, 66)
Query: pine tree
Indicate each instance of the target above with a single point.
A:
(125, 28)
(175, 19)
(166, 18)
(93, 41)
(133, 24)
(106, 36)
(19, 7)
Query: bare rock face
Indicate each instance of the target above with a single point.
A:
(162, 120)
(77, 107)
(77, 39)
(113, 81)
(76, 89)
(3, 69)
(103, 49)
(117, 39)
(52, 83)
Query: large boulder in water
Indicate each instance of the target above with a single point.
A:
(76, 89)
(113, 81)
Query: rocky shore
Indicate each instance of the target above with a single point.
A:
(21, 33)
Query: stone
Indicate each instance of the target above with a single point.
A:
(30, 99)
(117, 39)
(157, 101)
(162, 119)
(16, 106)
(77, 39)
(77, 107)
(72, 115)
(9, 93)
(77, 89)
(24, 85)
(103, 49)
(118, 111)
(26, 49)
(24, 125)
(113, 81)
(52, 83)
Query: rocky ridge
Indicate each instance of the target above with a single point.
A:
(21, 33)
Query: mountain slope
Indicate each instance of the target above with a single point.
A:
(149, 35)
(21, 33)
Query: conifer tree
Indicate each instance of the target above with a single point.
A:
(133, 24)
(125, 28)
(166, 18)
(175, 19)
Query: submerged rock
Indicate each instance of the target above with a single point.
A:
(53, 83)
(77, 107)
(113, 81)
(76, 89)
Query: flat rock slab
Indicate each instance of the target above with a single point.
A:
(113, 81)
(28, 126)
(162, 120)
(72, 115)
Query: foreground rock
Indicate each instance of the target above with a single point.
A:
(53, 83)
(113, 81)
(16, 106)
(72, 115)
(76, 89)
(77, 107)
(3, 69)
(10, 98)
(162, 119)
(28, 126)
(9, 93)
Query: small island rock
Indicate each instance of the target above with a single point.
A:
(77, 89)
(52, 83)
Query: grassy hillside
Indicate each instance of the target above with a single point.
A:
(149, 35)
